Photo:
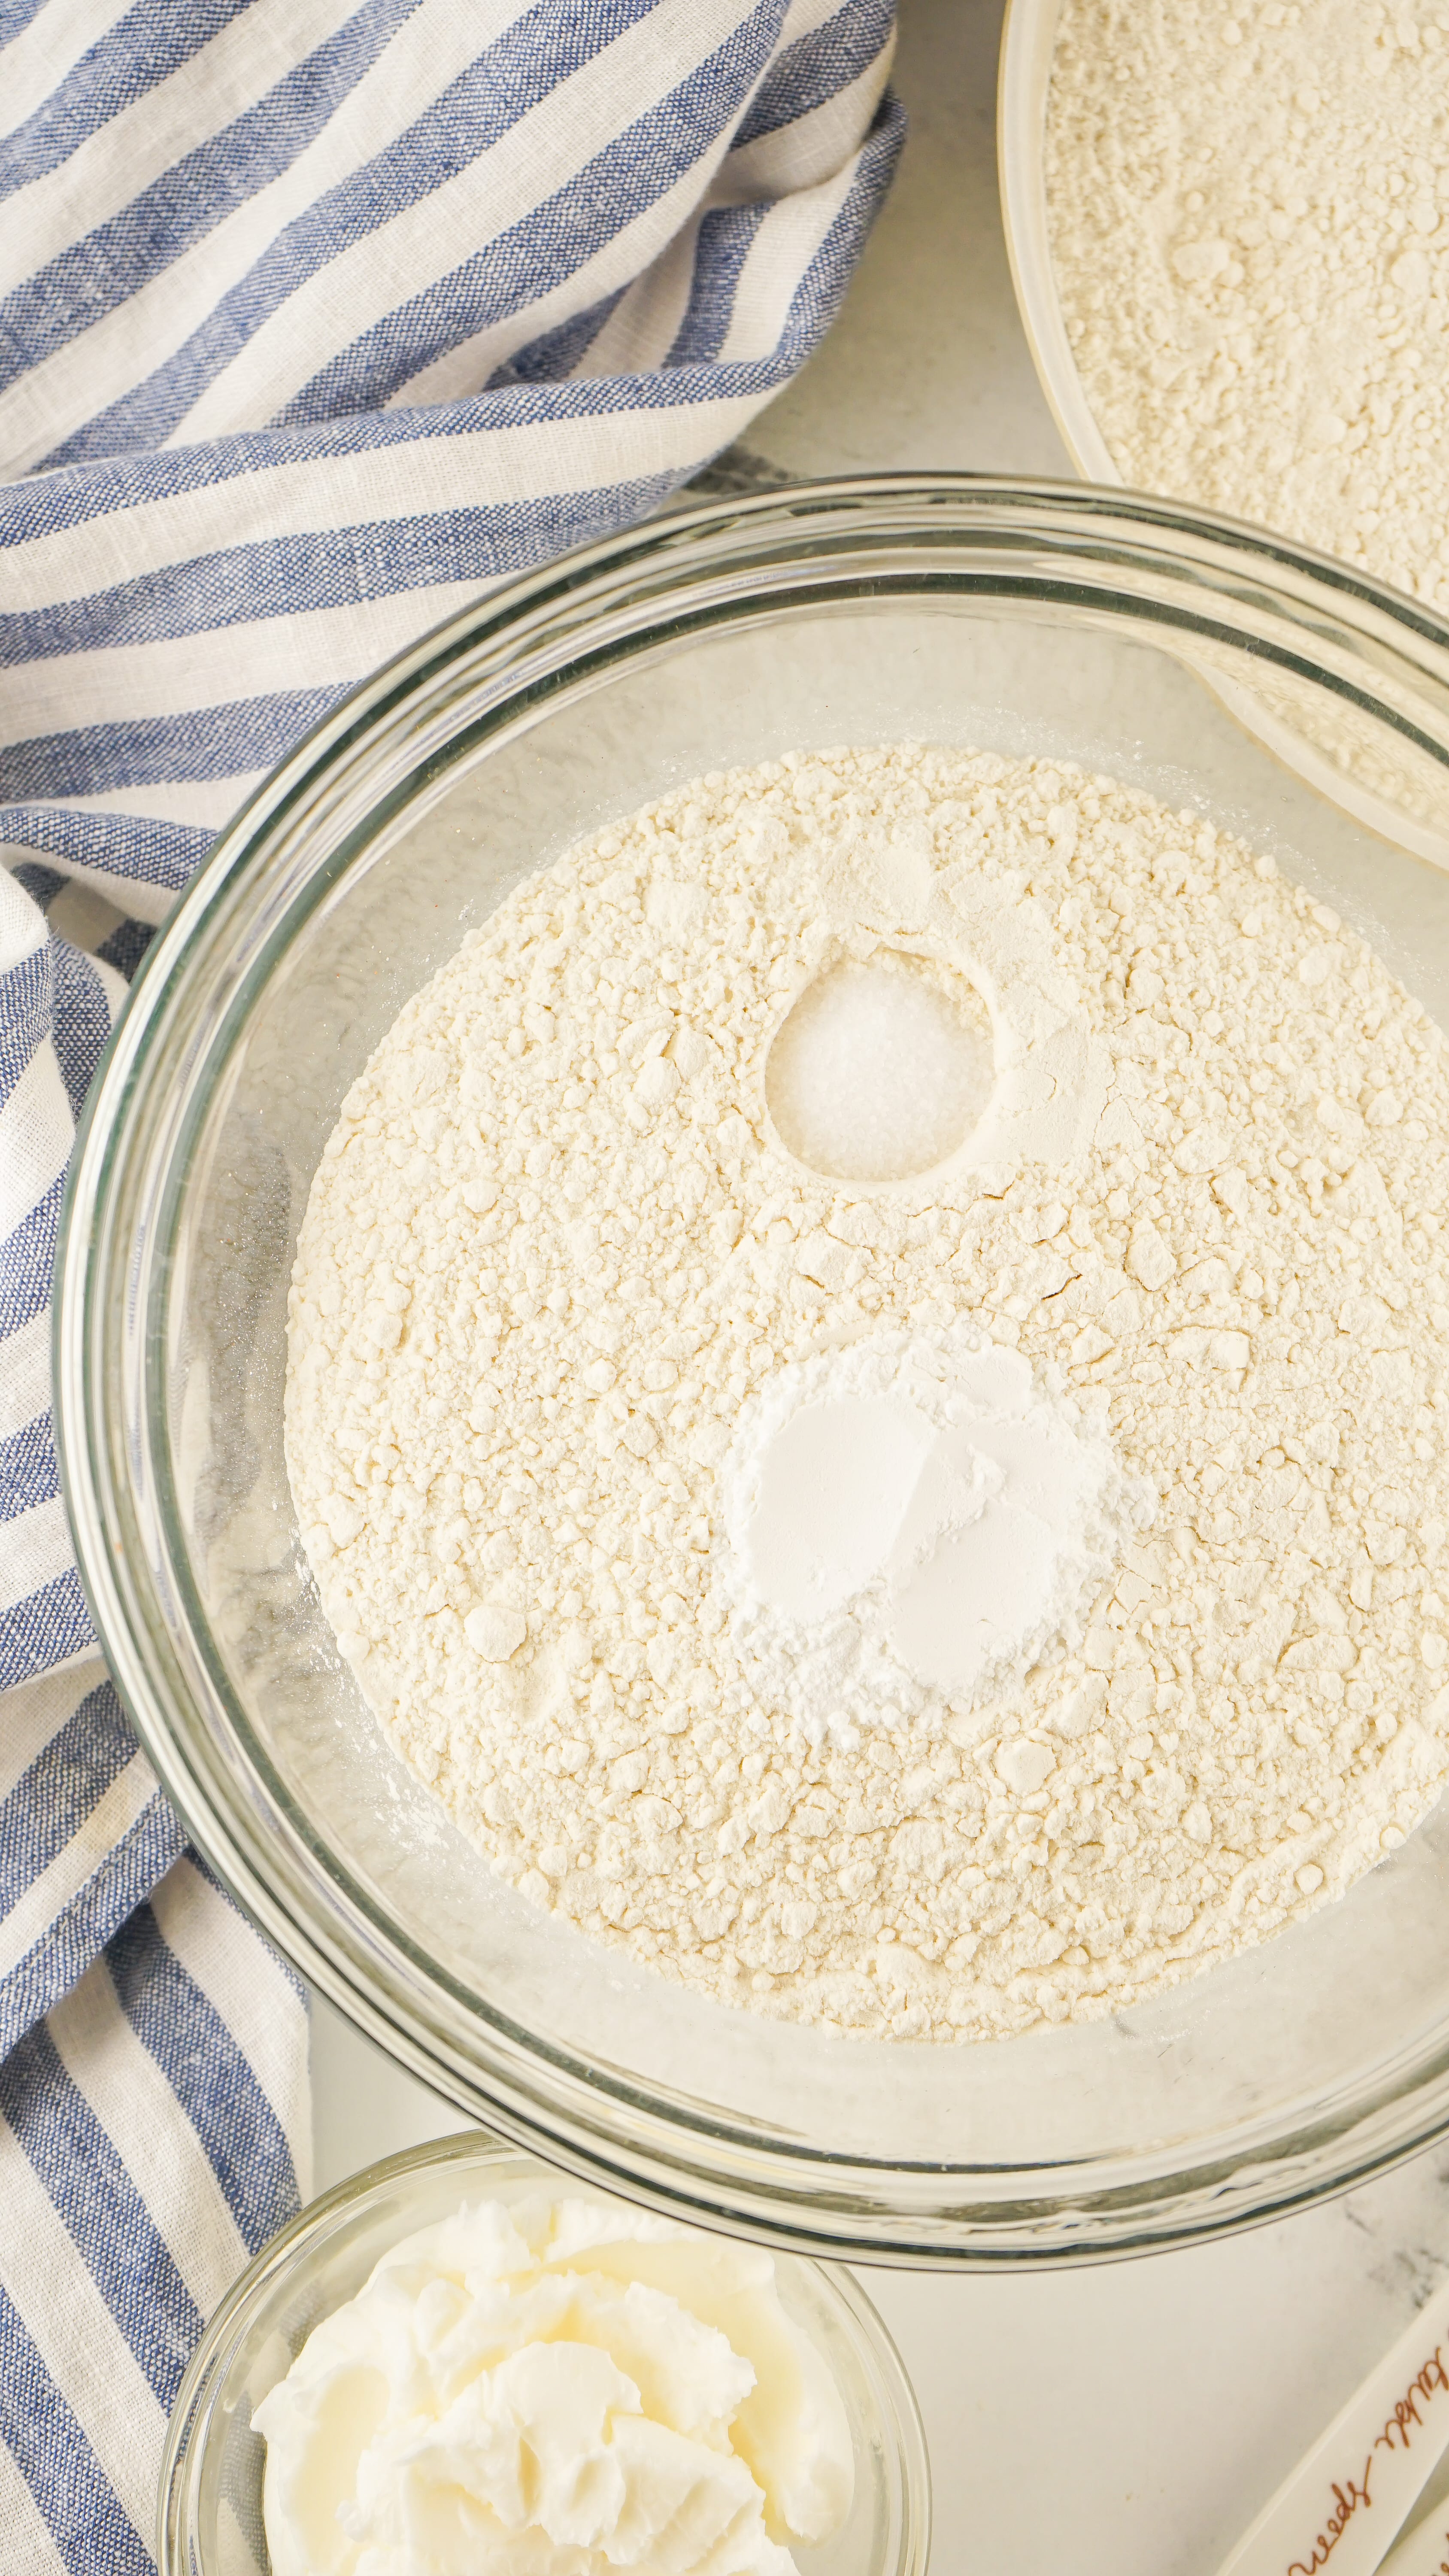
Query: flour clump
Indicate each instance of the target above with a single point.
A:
(1116, 1632)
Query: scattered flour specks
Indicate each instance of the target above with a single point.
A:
(555, 1258)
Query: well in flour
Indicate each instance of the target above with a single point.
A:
(556, 1260)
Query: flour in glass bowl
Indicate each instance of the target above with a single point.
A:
(908, 1521)
(1130, 1647)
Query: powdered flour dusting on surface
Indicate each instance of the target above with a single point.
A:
(1249, 223)
(570, 1325)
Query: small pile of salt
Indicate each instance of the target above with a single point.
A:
(878, 1072)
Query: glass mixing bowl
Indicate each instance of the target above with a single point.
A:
(1047, 619)
(210, 2515)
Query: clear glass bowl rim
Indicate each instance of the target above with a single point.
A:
(1066, 539)
(193, 2416)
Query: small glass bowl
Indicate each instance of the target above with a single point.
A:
(210, 2514)
(1338, 758)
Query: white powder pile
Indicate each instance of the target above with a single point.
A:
(879, 1070)
(1249, 222)
(909, 1524)
(1136, 1648)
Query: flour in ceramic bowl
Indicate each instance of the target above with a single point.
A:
(1249, 224)
(928, 1606)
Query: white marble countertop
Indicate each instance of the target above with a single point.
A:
(1125, 2421)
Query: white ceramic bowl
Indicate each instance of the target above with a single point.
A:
(1028, 37)
(1053, 619)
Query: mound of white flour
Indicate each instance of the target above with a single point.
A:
(561, 1293)
(1249, 223)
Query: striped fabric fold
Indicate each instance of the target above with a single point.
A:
(154, 2132)
(315, 320)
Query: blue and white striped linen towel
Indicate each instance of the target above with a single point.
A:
(312, 323)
